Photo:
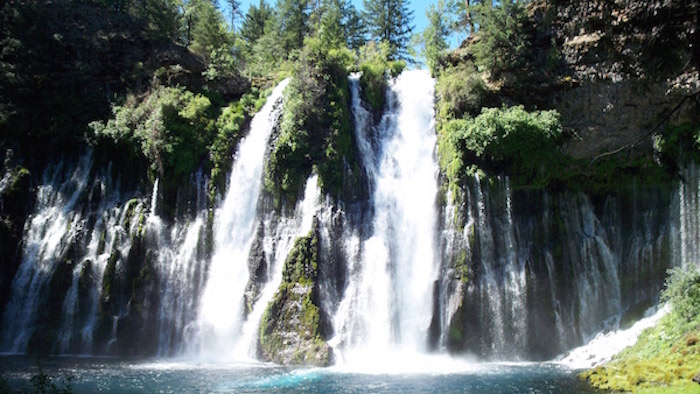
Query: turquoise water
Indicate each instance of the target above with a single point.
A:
(90, 375)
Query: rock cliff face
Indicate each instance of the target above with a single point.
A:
(16, 200)
(526, 263)
(617, 71)
(630, 67)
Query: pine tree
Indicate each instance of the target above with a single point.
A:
(390, 21)
(205, 28)
(235, 8)
(253, 26)
(434, 38)
(337, 23)
(292, 23)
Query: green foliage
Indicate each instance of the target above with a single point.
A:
(172, 126)
(375, 65)
(223, 64)
(254, 22)
(205, 28)
(267, 53)
(315, 130)
(229, 125)
(460, 90)
(683, 292)
(294, 309)
(177, 130)
(337, 24)
(434, 38)
(678, 145)
(292, 23)
(503, 41)
(665, 357)
(389, 21)
(521, 142)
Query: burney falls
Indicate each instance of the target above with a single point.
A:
(349, 196)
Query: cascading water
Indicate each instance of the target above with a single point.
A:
(46, 242)
(387, 303)
(221, 314)
(509, 274)
(523, 264)
(69, 238)
(180, 262)
(277, 245)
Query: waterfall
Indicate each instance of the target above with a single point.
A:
(277, 245)
(78, 222)
(221, 314)
(180, 261)
(689, 219)
(496, 272)
(387, 305)
(524, 263)
(49, 234)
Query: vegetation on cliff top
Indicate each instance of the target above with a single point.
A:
(316, 125)
(666, 356)
(491, 95)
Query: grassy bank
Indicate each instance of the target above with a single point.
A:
(665, 357)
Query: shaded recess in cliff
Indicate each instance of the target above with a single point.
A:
(517, 264)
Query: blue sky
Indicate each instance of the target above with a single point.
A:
(418, 6)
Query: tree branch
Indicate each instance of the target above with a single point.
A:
(647, 135)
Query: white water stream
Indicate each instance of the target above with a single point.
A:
(387, 307)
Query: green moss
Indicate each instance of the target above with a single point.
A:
(665, 357)
(461, 265)
(110, 276)
(229, 125)
(315, 130)
(376, 67)
(522, 143)
(373, 84)
(294, 311)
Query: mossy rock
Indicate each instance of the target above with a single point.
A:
(292, 328)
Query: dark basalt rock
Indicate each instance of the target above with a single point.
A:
(257, 266)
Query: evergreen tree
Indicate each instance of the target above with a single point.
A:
(253, 26)
(503, 40)
(434, 38)
(467, 10)
(235, 9)
(292, 23)
(354, 28)
(390, 21)
(337, 23)
(205, 28)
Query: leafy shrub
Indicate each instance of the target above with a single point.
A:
(172, 126)
(460, 90)
(315, 130)
(375, 65)
(678, 145)
(683, 292)
(520, 142)
(177, 130)
(503, 40)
